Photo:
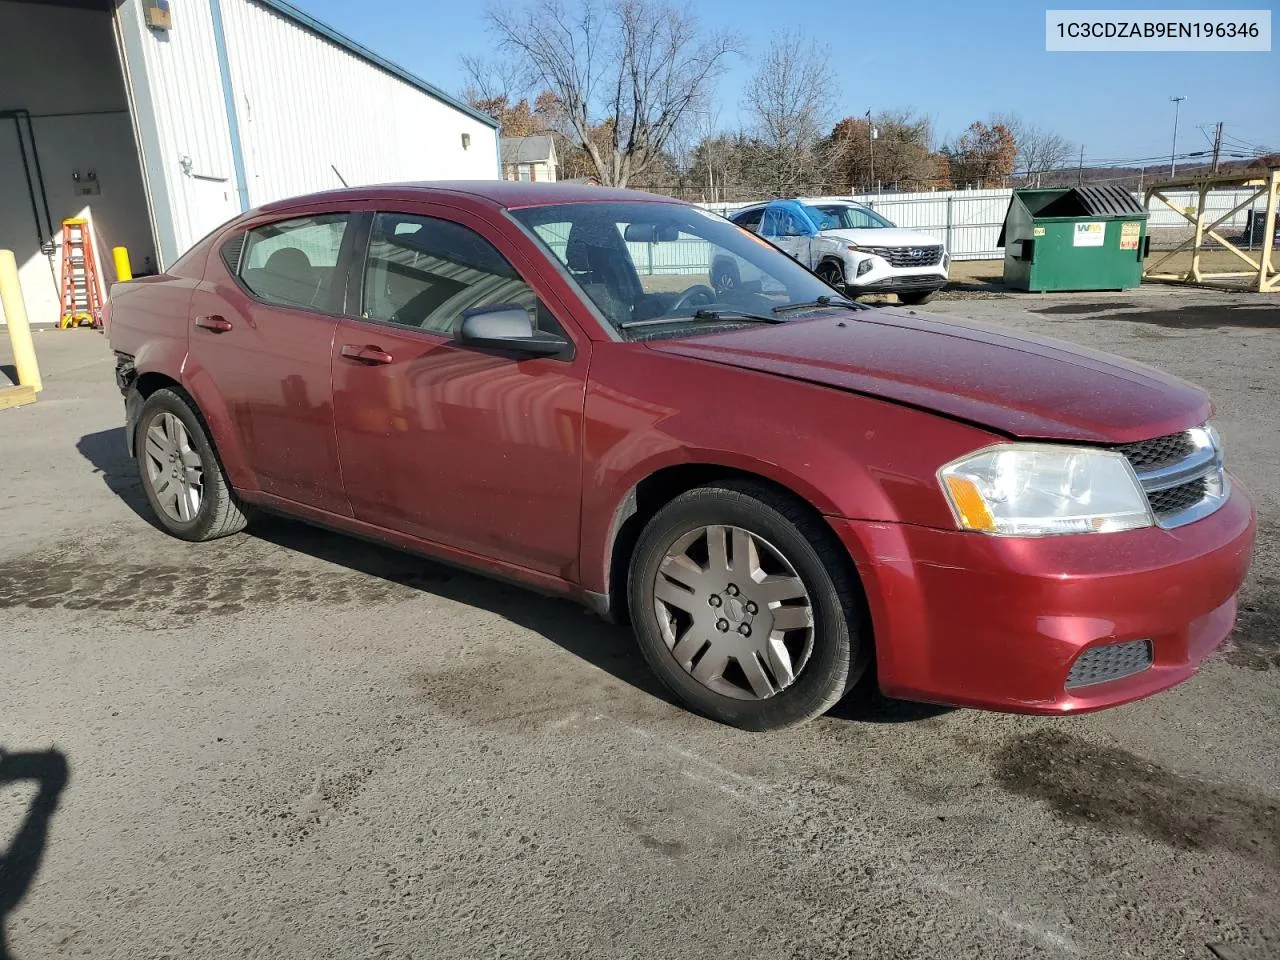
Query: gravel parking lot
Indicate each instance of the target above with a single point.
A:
(292, 744)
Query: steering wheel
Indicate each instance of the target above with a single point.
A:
(693, 293)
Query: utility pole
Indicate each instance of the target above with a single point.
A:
(1080, 168)
(1173, 154)
(1217, 146)
(871, 140)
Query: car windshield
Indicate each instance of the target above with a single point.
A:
(841, 216)
(640, 261)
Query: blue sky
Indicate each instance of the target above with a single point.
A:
(954, 62)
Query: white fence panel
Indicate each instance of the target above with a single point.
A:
(1216, 205)
(968, 221)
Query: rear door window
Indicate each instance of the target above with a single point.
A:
(423, 272)
(291, 263)
(855, 218)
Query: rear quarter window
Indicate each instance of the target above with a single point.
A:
(230, 252)
(749, 220)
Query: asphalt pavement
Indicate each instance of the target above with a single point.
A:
(292, 744)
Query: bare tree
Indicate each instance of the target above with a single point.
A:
(626, 72)
(904, 155)
(1039, 150)
(790, 97)
(496, 81)
(710, 156)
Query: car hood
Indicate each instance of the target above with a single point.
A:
(1012, 382)
(884, 237)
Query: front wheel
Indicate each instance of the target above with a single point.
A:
(725, 278)
(180, 473)
(744, 605)
(831, 273)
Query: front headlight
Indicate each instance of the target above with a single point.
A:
(1035, 490)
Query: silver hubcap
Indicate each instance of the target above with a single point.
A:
(174, 468)
(733, 612)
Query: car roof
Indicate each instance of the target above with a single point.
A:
(502, 193)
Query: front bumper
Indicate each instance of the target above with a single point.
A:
(127, 381)
(883, 277)
(996, 622)
(899, 284)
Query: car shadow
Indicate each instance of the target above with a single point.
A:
(866, 704)
(20, 861)
(107, 452)
(571, 627)
(564, 623)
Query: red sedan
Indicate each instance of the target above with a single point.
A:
(774, 485)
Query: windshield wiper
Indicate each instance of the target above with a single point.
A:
(730, 315)
(822, 301)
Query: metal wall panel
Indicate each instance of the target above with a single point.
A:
(307, 105)
(175, 92)
(303, 105)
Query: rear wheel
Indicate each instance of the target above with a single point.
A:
(180, 473)
(743, 604)
(920, 296)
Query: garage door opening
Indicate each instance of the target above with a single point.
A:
(67, 144)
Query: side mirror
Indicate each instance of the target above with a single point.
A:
(506, 326)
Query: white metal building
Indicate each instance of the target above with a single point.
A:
(159, 132)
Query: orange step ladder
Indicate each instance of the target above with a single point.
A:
(81, 295)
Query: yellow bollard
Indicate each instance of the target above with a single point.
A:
(15, 313)
(124, 272)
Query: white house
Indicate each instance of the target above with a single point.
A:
(160, 119)
(529, 158)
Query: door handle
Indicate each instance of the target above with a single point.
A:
(365, 354)
(214, 322)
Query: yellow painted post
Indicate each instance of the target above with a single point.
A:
(15, 314)
(1195, 250)
(1265, 266)
(124, 271)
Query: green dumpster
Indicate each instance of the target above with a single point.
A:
(1074, 238)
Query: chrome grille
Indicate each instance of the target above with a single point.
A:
(1181, 474)
(1110, 661)
(1176, 499)
(1160, 452)
(909, 256)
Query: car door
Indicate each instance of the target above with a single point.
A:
(263, 322)
(785, 226)
(474, 449)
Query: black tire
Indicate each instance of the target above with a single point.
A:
(840, 651)
(220, 513)
(831, 273)
(725, 277)
(915, 299)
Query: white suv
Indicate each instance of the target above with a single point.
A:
(849, 246)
